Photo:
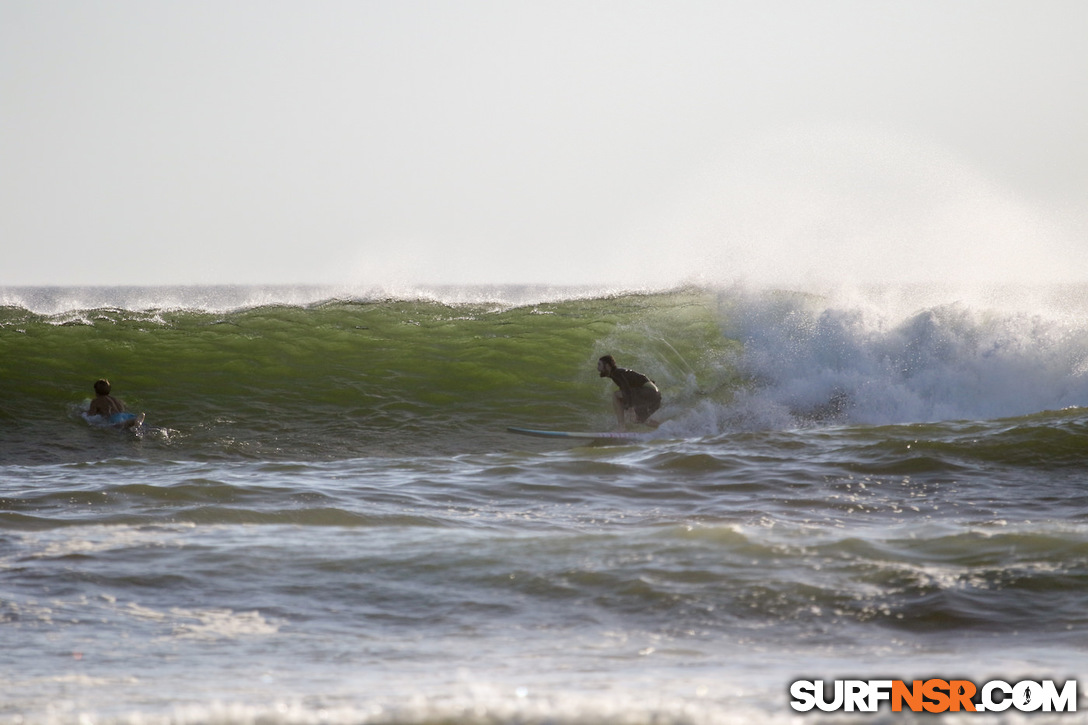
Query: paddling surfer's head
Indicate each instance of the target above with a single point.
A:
(102, 387)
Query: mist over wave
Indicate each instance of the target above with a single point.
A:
(814, 205)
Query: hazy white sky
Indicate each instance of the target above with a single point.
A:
(626, 142)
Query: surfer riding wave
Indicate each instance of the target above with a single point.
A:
(636, 392)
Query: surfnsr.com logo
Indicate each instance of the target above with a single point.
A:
(934, 695)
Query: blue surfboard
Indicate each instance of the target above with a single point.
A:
(119, 421)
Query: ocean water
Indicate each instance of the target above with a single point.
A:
(324, 519)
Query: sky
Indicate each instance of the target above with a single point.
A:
(589, 142)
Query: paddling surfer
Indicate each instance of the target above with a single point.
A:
(110, 408)
(636, 391)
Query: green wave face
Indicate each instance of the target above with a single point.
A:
(345, 378)
(357, 378)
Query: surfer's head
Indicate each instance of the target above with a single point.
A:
(102, 387)
(606, 365)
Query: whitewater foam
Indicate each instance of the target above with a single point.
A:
(814, 359)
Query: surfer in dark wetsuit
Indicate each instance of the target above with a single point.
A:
(635, 391)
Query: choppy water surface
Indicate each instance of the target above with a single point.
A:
(325, 520)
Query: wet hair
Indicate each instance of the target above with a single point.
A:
(609, 359)
(102, 387)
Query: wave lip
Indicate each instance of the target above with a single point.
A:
(52, 301)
